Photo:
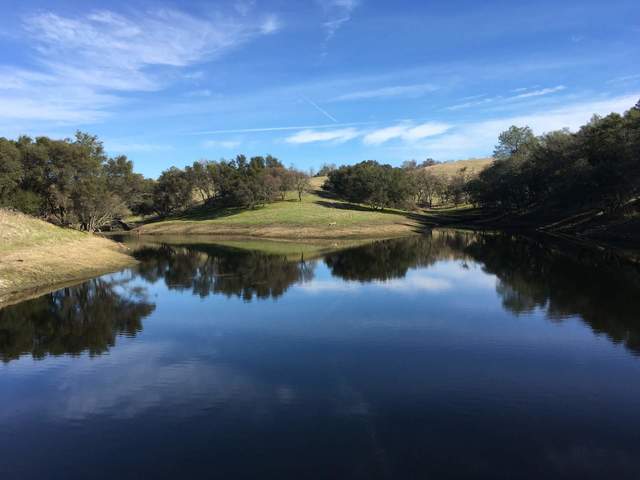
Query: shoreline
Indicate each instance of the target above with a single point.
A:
(37, 257)
(281, 232)
(35, 271)
(39, 268)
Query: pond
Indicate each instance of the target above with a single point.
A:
(448, 355)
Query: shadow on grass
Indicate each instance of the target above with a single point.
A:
(212, 212)
(422, 221)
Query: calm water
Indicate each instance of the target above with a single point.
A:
(445, 356)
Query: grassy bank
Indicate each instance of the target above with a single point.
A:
(316, 216)
(36, 256)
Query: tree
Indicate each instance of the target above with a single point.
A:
(428, 163)
(369, 182)
(326, 169)
(301, 183)
(426, 186)
(513, 142)
(172, 192)
(409, 165)
(201, 175)
(11, 170)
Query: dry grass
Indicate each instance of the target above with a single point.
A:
(38, 256)
(473, 167)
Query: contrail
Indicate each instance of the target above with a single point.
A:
(279, 129)
(321, 110)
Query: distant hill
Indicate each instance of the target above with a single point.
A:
(448, 169)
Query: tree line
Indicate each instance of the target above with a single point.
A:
(410, 186)
(72, 182)
(239, 182)
(596, 167)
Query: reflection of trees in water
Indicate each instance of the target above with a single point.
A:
(600, 287)
(85, 318)
(207, 269)
(388, 259)
(567, 280)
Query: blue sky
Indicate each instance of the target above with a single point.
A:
(340, 81)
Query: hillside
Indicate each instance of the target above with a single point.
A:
(473, 166)
(317, 216)
(36, 256)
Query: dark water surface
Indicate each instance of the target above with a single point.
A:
(445, 356)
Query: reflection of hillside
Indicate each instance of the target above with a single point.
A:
(85, 318)
(566, 280)
(210, 269)
(389, 259)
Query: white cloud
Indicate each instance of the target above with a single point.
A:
(338, 13)
(539, 93)
(473, 103)
(271, 24)
(521, 93)
(226, 144)
(310, 136)
(205, 92)
(624, 79)
(478, 138)
(278, 128)
(411, 91)
(406, 132)
(162, 37)
(82, 61)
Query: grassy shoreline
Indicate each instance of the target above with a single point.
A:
(37, 257)
(317, 216)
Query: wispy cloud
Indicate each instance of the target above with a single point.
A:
(312, 136)
(271, 24)
(338, 13)
(279, 128)
(624, 79)
(244, 7)
(541, 92)
(478, 138)
(406, 132)
(226, 144)
(86, 60)
(480, 100)
(205, 92)
(410, 91)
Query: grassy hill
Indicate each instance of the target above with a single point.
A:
(317, 216)
(36, 256)
(473, 166)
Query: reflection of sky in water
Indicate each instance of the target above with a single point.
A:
(183, 353)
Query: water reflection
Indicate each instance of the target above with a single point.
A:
(395, 359)
(217, 269)
(600, 286)
(392, 259)
(84, 318)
